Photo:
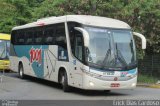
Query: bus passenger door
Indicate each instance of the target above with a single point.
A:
(77, 51)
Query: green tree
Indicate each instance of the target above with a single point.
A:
(142, 15)
(7, 14)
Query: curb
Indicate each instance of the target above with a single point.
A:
(155, 86)
(143, 85)
(149, 85)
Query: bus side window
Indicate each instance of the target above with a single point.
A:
(76, 40)
(71, 33)
(20, 38)
(13, 37)
(38, 36)
(78, 45)
(49, 36)
(29, 38)
(61, 36)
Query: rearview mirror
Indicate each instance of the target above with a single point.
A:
(143, 39)
(85, 35)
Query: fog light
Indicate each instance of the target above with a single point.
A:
(91, 83)
(134, 84)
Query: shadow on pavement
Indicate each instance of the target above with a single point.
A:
(73, 90)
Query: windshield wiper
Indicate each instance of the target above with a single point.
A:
(120, 57)
(2, 53)
(106, 58)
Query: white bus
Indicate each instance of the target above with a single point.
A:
(86, 52)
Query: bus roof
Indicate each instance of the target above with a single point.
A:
(4, 36)
(83, 19)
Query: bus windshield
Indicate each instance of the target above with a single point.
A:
(4, 49)
(111, 49)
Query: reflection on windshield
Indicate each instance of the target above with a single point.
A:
(124, 45)
(4, 49)
(110, 48)
(99, 45)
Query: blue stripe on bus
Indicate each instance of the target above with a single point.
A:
(24, 51)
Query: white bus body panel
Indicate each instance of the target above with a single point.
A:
(76, 76)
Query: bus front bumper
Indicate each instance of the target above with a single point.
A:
(92, 83)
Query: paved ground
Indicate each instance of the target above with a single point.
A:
(13, 88)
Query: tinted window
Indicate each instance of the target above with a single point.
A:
(78, 46)
(29, 38)
(38, 37)
(20, 38)
(49, 36)
(60, 36)
(76, 40)
(46, 35)
(13, 40)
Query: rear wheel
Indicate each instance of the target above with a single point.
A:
(64, 82)
(21, 71)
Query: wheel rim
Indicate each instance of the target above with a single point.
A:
(20, 72)
(62, 81)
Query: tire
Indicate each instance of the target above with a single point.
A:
(64, 82)
(21, 71)
(107, 91)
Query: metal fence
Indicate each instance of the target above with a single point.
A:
(150, 65)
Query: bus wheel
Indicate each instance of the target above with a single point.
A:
(21, 71)
(64, 82)
(107, 91)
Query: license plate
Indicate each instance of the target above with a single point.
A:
(115, 84)
(109, 73)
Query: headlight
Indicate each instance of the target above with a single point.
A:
(133, 84)
(91, 83)
(90, 73)
(132, 75)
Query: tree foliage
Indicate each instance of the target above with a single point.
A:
(142, 15)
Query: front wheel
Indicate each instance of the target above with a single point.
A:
(107, 91)
(21, 71)
(64, 82)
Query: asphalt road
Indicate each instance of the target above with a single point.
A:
(14, 88)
